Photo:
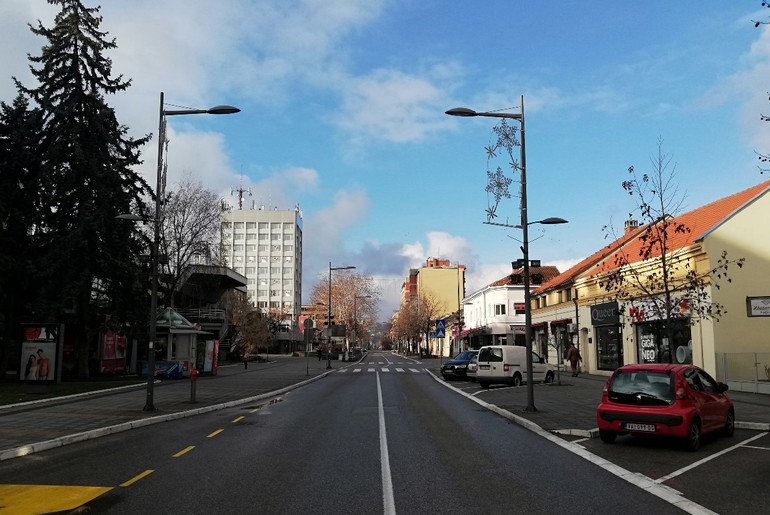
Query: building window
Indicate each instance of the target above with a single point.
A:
(263, 225)
(499, 309)
(569, 294)
(263, 248)
(275, 237)
(275, 259)
(288, 248)
(262, 270)
(275, 270)
(263, 304)
(238, 225)
(251, 225)
(276, 248)
(226, 225)
(250, 270)
(287, 259)
(250, 236)
(238, 248)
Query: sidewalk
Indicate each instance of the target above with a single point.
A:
(31, 427)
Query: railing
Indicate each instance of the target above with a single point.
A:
(744, 371)
(195, 315)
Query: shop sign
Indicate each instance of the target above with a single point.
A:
(606, 313)
(758, 306)
(648, 350)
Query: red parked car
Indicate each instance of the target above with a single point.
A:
(666, 400)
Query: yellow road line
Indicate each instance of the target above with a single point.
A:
(238, 419)
(137, 477)
(255, 409)
(184, 451)
(215, 433)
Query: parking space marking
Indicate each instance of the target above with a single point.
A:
(758, 447)
(708, 458)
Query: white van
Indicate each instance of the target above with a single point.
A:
(508, 364)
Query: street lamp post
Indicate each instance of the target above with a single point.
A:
(159, 193)
(463, 111)
(329, 314)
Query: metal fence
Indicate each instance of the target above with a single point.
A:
(744, 371)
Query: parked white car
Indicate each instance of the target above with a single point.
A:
(507, 364)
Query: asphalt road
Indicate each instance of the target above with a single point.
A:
(385, 439)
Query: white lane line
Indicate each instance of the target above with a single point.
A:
(400, 370)
(370, 370)
(342, 370)
(709, 458)
(389, 503)
(385, 369)
(415, 370)
(356, 370)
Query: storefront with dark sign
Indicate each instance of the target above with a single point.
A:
(605, 319)
(655, 343)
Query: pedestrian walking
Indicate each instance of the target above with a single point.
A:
(245, 362)
(574, 358)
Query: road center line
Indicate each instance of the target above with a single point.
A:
(708, 458)
(183, 451)
(215, 433)
(389, 504)
(137, 477)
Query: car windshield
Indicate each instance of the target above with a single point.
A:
(642, 387)
(464, 356)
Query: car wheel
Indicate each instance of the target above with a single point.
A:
(607, 436)
(693, 436)
(549, 377)
(484, 384)
(729, 424)
(516, 380)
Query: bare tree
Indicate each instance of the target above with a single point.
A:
(190, 229)
(663, 276)
(346, 286)
(253, 331)
(763, 157)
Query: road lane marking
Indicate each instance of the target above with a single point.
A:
(385, 369)
(238, 419)
(415, 370)
(183, 451)
(400, 370)
(137, 478)
(708, 458)
(215, 433)
(388, 501)
(356, 370)
(370, 370)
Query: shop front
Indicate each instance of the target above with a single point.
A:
(608, 334)
(659, 340)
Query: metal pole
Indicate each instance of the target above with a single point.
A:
(329, 322)
(525, 250)
(150, 401)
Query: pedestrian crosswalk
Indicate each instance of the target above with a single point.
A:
(385, 368)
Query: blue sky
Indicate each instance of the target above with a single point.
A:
(343, 113)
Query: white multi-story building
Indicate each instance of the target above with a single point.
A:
(266, 247)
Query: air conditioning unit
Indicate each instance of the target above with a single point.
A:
(572, 328)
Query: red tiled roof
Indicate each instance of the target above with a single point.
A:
(699, 221)
(588, 262)
(547, 273)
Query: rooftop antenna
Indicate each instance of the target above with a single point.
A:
(240, 190)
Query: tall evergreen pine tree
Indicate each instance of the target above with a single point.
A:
(86, 255)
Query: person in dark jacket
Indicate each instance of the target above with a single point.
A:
(574, 358)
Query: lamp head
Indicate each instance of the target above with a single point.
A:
(461, 111)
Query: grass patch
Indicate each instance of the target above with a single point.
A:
(12, 392)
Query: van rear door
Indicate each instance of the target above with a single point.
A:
(490, 362)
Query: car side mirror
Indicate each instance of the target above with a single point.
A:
(721, 387)
(541, 360)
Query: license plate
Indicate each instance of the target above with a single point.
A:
(648, 428)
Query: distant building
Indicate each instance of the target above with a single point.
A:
(445, 283)
(494, 315)
(265, 245)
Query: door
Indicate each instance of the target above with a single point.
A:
(538, 368)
